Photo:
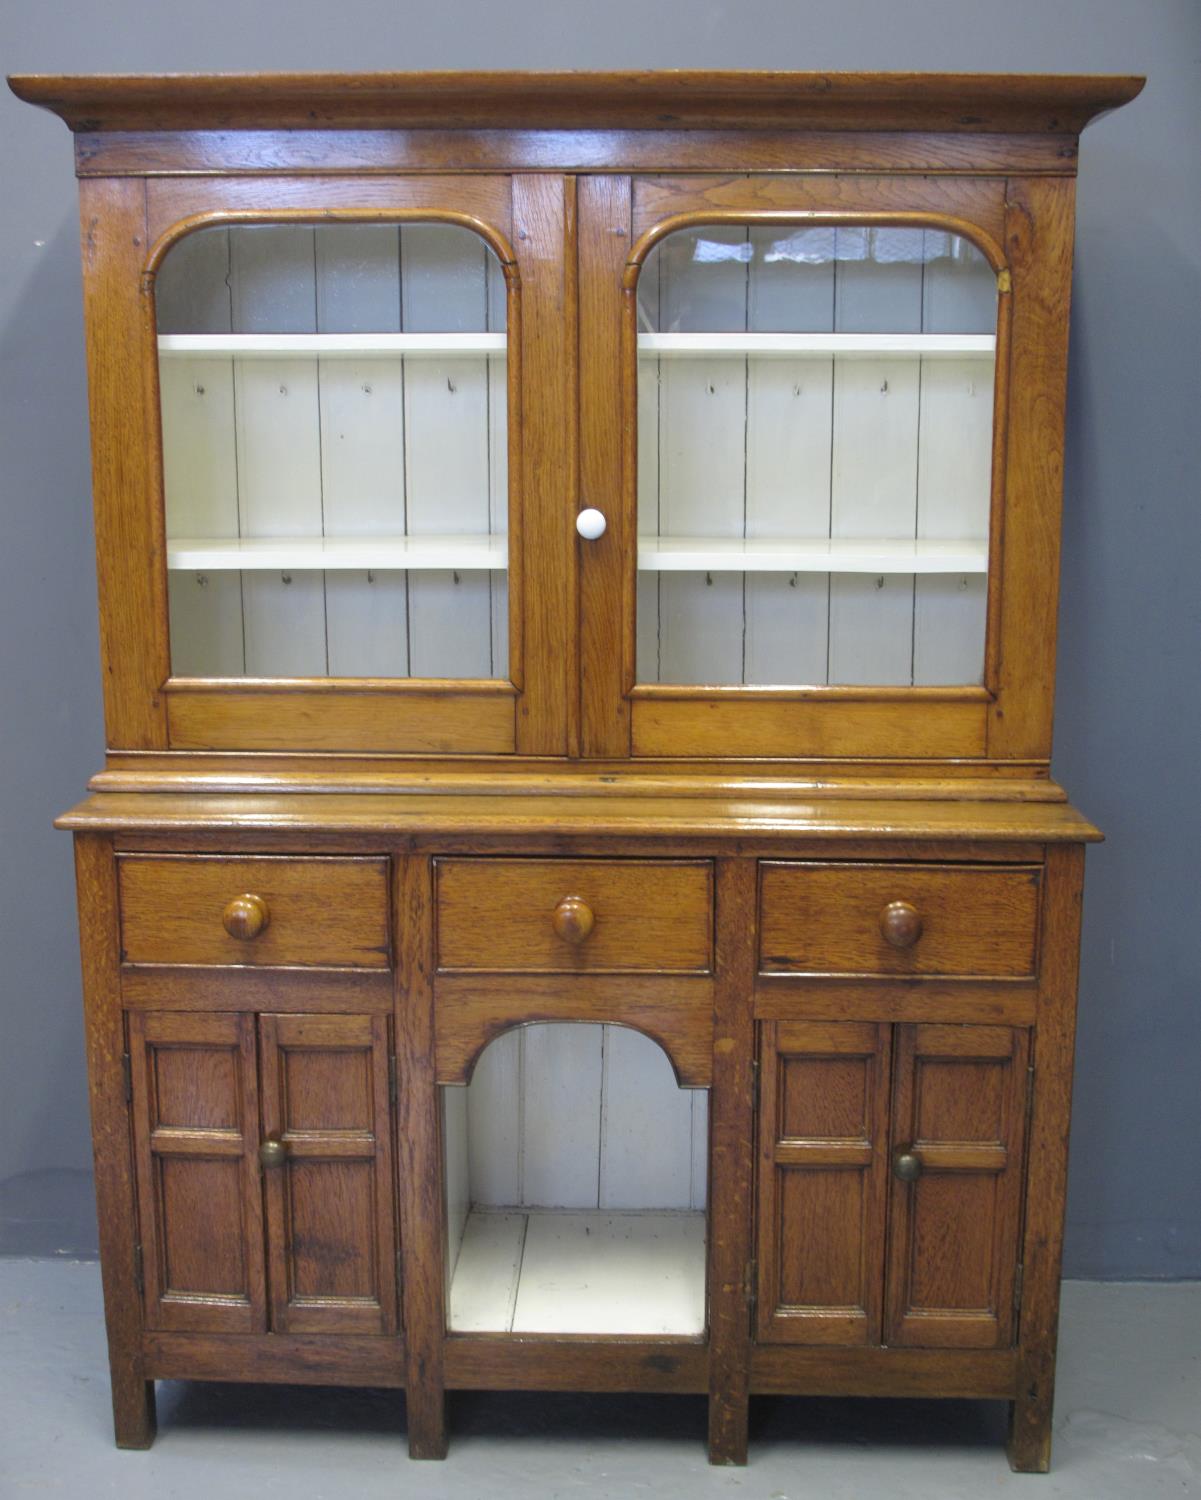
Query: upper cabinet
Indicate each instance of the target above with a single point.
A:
(688, 419)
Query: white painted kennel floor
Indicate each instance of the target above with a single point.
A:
(1128, 1425)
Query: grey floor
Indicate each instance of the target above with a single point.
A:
(1128, 1424)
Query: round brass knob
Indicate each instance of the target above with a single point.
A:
(573, 920)
(901, 924)
(273, 1153)
(907, 1166)
(245, 917)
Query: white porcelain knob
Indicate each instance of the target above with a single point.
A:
(590, 524)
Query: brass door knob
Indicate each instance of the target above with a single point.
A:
(573, 920)
(245, 917)
(907, 1166)
(901, 924)
(273, 1153)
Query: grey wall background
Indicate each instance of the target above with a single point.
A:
(1129, 723)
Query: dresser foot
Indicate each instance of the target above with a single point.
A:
(1029, 1445)
(134, 1422)
(427, 1424)
(727, 1431)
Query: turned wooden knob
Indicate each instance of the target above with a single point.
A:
(245, 917)
(572, 919)
(901, 924)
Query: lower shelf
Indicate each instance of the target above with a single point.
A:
(556, 1271)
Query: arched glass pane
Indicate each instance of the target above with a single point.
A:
(815, 416)
(335, 452)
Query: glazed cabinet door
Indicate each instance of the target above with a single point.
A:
(823, 1181)
(196, 1136)
(329, 1200)
(959, 1118)
(344, 401)
(789, 413)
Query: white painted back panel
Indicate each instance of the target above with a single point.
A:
(300, 447)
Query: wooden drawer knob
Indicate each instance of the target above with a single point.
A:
(573, 920)
(907, 1166)
(901, 924)
(245, 917)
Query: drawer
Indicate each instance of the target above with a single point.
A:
(575, 915)
(210, 909)
(978, 921)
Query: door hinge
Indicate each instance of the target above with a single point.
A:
(1017, 1290)
(750, 1284)
(139, 1270)
(393, 1086)
(127, 1077)
(755, 1084)
(1029, 1099)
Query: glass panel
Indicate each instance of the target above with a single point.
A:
(815, 456)
(335, 452)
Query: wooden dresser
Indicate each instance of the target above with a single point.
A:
(580, 549)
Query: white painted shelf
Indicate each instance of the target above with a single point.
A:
(815, 345)
(557, 1271)
(803, 555)
(330, 345)
(329, 554)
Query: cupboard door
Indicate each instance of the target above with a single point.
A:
(195, 1128)
(823, 1126)
(329, 1199)
(959, 1117)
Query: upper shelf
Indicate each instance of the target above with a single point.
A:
(799, 345)
(664, 100)
(804, 555)
(339, 554)
(330, 345)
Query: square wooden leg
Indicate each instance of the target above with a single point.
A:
(727, 1429)
(134, 1421)
(427, 1422)
(1029, 1445)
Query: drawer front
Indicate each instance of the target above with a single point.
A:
(970, 920)
(575, 915)
(201, 909)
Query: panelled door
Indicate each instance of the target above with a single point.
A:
(787, 401)
(890, 1207)
(264, 1172)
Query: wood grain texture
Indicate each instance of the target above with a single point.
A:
(498, 916)
(422, 1210)
(421, 718)
(798, 997)
(116, 1204)
(683, 99)
(203, 987)
(731, 1165)
(604, 244)
(368, 152)
(828, 919)
(538, 1363)
(915, 1373)
(529, 818)
(284, 1359)
(677, 1013)
(1039, 227)
(971, 202)
(822, 1184)
(126, 468)
(786, 724)
(959, 1104)
(1046, 1187)
(328, 912)
(195, 1112)
(331, 1235)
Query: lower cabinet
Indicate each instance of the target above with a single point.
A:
(264, 1172)
(890, 1183)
